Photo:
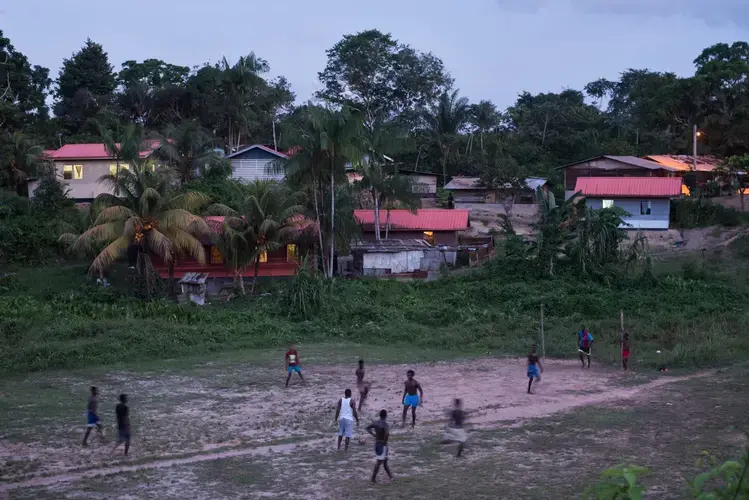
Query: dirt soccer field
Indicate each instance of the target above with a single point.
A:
(227, 428)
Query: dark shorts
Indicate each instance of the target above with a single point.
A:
(381, 452)
(123, 435)
(584, 350)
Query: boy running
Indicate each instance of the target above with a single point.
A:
(454, 432)
(123, 423)
(625, 351)
(584, 341)
(92, 416)
(410, 398)
(347, 411)
(361, 384)
(292, 363)
(381, 432)
(534, 365)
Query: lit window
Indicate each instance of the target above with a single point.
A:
(608, 203)
(74, 172)
(216, 257)
(291, 253)
(113, 168)
(645, 207)
(263, 256)
(429, 237)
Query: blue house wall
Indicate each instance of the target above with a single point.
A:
(658, 218)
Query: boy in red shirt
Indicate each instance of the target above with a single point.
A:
(292, 363)
(625, 351)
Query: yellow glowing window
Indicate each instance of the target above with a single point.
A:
(216, 257)
(113, 168)
(291, 253)
(429, 237)
(263, 256)
(74, 172)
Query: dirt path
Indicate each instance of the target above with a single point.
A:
(563, 388)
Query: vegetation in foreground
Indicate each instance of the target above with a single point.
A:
(693, 312)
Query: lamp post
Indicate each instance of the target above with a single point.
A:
(694, 147)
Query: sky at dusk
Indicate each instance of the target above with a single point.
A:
(494, 49)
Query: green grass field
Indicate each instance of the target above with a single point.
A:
(694, 312)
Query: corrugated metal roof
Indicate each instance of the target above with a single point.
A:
(629, 187)
(435, 219)
(458, 183)
(389, 246)
(92, 152)
(535, 182)
(683, 163)
(629, 160)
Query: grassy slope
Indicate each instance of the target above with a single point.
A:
(49, 318)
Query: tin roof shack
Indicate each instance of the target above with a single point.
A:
(192, 286)
(396, 258)
(435, 225)
(610, 166)
(470, 190)
(646, 199)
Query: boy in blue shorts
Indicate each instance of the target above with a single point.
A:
(292, 363)
(92, 416)
(410, 398)
(534, 367)
(584, 342)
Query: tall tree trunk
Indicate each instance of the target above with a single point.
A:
(482, 140)
(254, 275)
(332, 220)
(387, 224)
(376, 197)
(319, 226)
(275, 143)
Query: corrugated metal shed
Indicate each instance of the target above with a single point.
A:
(389, 246)
(534, 183)
(629, 187)
(633, 161)
(683, 163)
(458, 183)
(423, 220)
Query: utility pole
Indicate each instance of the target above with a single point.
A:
(694, 147)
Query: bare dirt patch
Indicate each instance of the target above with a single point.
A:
(244, 413)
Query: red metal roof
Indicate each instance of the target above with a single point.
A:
(423, 220)
(629, 187)
(91, 152)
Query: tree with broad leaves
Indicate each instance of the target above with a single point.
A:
(735, 169)
(22, 158)
(376, 74)
(484, 117)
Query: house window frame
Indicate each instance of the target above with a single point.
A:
(607, 203)
(72, 172)
(216, 256)
(429, 237)
(292, 254)
(113, 168)
(263, 257)
(646, 207)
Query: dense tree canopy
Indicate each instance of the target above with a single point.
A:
(233, 103)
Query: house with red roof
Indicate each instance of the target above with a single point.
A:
(647, 200)
(80, 166)
(434, 225)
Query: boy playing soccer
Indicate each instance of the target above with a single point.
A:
(346, 410)
(625, 351)
(292, 363)
(410, 398)
(454, 432)
(92, 416)
(534, 365)
(122, 412)
(361, 384)
(584, 341)
(381, 432)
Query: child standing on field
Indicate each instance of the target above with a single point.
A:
(293, 364)
(534, 367)
(625, 351)
(584, 342)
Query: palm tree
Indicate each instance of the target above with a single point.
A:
(23, 159)
(188, 149)
(380, 141)
(444, 122)
(484, 117)
(397, 191)
(145, 216)
(325, 141)
(238, 83)
(268, 219)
